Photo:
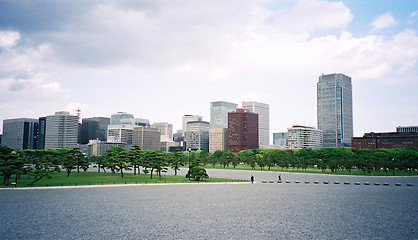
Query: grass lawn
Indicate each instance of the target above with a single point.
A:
(94, 178)
(316, 170)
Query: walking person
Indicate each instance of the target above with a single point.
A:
(252, 179)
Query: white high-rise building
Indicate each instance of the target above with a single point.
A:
(189, 118)
(263, 120)
(61, 130)
(166, 130)
(335, 110)
(120, 133)
(300, 136)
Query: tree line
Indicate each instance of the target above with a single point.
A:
(334, 159)
(42, 163)
(38, 164)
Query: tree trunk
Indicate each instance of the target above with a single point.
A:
(159, 173)
(121, 172)
(78, 169)
(152, 170)
(98, 168)
(68, 172)
(175, 172)
(6, 180)
(36, 179)
(134, 169)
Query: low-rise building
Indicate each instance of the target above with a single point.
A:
(300, 136)
(386, 140)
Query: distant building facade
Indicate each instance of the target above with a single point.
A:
(197, 135)
(41, 133)
(94, 128)
(335, 110)
(242, 130)
(166, 130)
(407, 129)
(218, 139)
(299, 136)
(99, 148)
(61, 130)
(280, 139)
(386, 140)
(262, 109)
(186, 119)
(218, 133)
(116, 117)
(20, 133)
(136, 122)
(120, 133)
(219, 113)
(146, 138)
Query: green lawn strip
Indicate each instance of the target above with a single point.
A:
(354, 172)
(94, 178)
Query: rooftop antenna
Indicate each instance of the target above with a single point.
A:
(78, 111)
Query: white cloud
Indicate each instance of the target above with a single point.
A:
(327, 15)
(8, 39)
(181, 55)
(383, 21)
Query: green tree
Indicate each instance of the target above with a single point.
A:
(112, 156)
(177, 161)
(259, 159)
(10, 163)
(204, 157)
(197, 172)
(122, 162)
(136, 156)
(44, 165)
(216, 157)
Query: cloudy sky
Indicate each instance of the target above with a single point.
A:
(162, 59)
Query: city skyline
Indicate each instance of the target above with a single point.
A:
(136, 57)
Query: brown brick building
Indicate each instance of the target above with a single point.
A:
(386, 140)
(242, 130)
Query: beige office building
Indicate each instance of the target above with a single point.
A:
(218, 139)
(146, 138)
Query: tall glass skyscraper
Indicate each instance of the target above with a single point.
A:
(219, 113)
(335, 110)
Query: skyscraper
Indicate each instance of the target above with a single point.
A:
(61, 130)
(263, 120)
(197, 135)
(335, 110)
(188, 118)
(20, 133)
(242, 130)
(218, 133)
(94, 128)
(219, 113)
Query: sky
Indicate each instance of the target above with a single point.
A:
(161, 60)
